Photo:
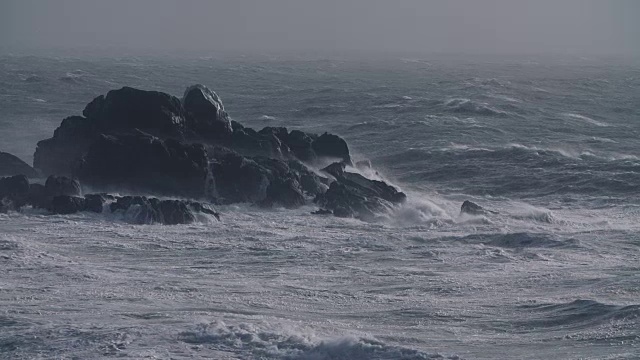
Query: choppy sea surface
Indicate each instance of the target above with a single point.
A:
(551, 145)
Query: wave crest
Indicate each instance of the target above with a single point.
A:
(253, 340)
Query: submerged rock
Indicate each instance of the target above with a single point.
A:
(12, 165)
(469, 207)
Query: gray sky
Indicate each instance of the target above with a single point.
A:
(421, 26)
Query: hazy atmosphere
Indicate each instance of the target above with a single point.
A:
(489, 26)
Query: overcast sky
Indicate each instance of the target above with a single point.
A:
(420, 26)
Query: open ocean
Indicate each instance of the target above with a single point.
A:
(550, 144)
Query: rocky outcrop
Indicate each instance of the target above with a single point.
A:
(353, 195)
(148, 142)
(205, 113)
(12, 165)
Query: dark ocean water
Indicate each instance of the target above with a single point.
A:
(550, 144)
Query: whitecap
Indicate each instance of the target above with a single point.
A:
(585, 119)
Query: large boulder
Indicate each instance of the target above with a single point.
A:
(139, 162)
(121, 110)
(14, 193)
(67, 204)
(61, 185)
(12, 165)
(128, 108)
(205, 113)
(332, 147)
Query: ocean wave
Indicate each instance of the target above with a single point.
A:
(578, 313)
(585, 119)
(519, 240)
(468, 106)
(263, 342)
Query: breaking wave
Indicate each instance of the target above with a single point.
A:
(467, 106)
(252, 340)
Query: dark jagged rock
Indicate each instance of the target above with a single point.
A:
(135, 141)
(61, 185)
(67, 204)
(469, 207)
(139, 209)
(121, 110)
(311, 183)
(61, 154)
(300, 144)
(14, 193)
(239, 179)
(332, 146)
(140, 162)
(205, 113)
(336, 169)
(143, 210)
(249, 142)
(95, 202)
(322, 212)
(128, 108)
(285, 192)
(353, 195)
(205, 209)
(175, 212)
(12, 165)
